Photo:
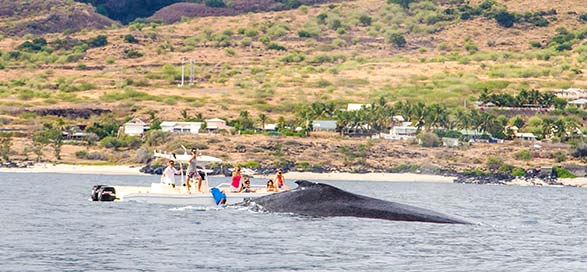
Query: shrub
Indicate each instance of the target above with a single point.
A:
(133, 54)
(365, 20)
(563, 173)
(157, 137)
(583, 17)
(505, 18)
(130, 38)
(304, 34)
(535, 44)
(85, 155)
(82, 154)
(97, 156)
(35, 45)
(518, 172)
(471, 47)
(322, 17)
(524, 155)
(98, 41)
(215, 3)
(294, 57)
(580, 151)
(275, 46)
(494, 163)
(251, 164)
(110, 60)
(429, 139)
(230, 52)
(560, 156)
(397, 39)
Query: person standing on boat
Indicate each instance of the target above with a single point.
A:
(169, 173)
(280, 180)
(192, 170)
(236, 179)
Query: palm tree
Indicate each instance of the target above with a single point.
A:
(486, 122)
(548, 127)
(419, 112)
(436, 115)
(463, 119)
(281, 122)
(343, 120)
(244, 120)
(262, 119)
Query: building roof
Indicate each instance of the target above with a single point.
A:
(473, 132)
(215, 120)
(525, 135)
(581, 101)
(135, 121)
(398, 118)
(182, 124)
(356, 107)
(270, 127)
(324, 124)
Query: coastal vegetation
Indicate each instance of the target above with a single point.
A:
(446, 67)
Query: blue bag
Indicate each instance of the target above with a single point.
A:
(219, 196)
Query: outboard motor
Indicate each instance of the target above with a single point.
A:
(95, 190)
(106, 193)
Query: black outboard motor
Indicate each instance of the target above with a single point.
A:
(95, 190)
(103, 193)
(106, 193)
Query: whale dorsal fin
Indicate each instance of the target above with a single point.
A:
(305, 183)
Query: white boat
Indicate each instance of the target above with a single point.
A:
(162, 193)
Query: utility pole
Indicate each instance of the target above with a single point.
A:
(192, 74)
(182, 72)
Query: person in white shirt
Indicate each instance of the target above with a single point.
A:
(169, 173)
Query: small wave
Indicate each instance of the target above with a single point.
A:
(196, 208)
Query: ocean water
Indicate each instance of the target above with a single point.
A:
(48, 223)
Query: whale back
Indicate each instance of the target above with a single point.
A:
(318, 199)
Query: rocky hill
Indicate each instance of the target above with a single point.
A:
(276, 64)
(48, 16)
(171, 11)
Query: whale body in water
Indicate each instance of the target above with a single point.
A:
(318, 199)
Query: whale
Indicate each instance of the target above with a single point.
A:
(322, 200)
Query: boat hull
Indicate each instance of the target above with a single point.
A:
(199, 199)
(159, 193)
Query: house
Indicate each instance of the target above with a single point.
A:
(405, 131)
(181, 127)
(473, 135)
(571, 93)
(324, 125)
(580, 103)
(270, 127)
(135, 127)
(526, 136)
(356, 107)
(397, 120)
(216, 124)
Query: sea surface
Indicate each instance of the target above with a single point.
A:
(48, 223)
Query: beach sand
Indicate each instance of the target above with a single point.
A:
(389, 177)
(384, 177)
(134, 170)
(77, 169)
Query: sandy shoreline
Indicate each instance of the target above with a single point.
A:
(388, 177)
(134, 170)
(383, 177)
(77, 169)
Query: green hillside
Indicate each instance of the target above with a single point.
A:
(428, 61)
